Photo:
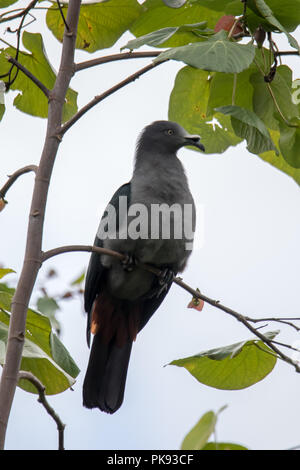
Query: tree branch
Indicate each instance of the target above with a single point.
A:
(287, 53)
(12, 178)
(24, 375)
(111, 58)
(22, 12)
(32, 259)
(177, 280)
(104, 95)
(28, 74)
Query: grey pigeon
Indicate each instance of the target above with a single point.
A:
(146, 221)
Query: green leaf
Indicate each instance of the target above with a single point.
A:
(222, 90)
(43, 354)
(100, 25)
(188, 104)
(200, 433)
(232, 367)
(5, 271)
(32, 100)
(48, 306)
(156, 15)
(7, 3)
(248, 125)
(287, 13)
(289, 144)
(158, 37)
(278, 161)
(223, 446)
(281, 88)
(2, 110)
(261, 7)
(78, 279)
(217, 53)
(4, 288)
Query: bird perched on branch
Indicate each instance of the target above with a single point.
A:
(150, 220)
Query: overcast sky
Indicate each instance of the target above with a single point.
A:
(249, 260)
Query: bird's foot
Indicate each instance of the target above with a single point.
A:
(128, 263)
(166, 277)
(164, 280)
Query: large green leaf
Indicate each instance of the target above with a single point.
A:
(43, 354)
(188, 104)
(287, 14)
(265, 105)
(232, 367)
(200, 433)
(197, 438)
(5, 271)
(226, 88)
(31, 100)
(289, 144)
(217, 53)
(248, 125)
(278, 161)
(49, 307)
(100, 25)
(162, 35)
(156, 16)
(261, 8)
(6, 3)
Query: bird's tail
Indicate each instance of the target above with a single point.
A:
(105, 377)
(115, 324)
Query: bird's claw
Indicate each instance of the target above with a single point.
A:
(128, 263)
(164, 280)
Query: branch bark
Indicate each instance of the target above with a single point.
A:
(114, 57)
(12, 178)
(32, 259)
(25, 375)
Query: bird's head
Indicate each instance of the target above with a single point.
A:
(167, 136)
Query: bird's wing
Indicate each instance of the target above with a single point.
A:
(96, 270)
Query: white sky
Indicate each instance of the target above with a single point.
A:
(249, 261)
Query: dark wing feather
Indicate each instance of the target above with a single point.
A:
(96, 270)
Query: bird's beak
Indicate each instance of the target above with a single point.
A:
(195, 141)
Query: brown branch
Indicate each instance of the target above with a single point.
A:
(107, 93)
(24, 375)
(22, 12)
(28, 74)
(279, 53)
(112, 58)
(32, 259)
(195, 293)
(12, 178)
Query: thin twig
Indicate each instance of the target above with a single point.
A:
(28, 74)
(104, 95)
(12, 178)
(278, 320)
(279, 53)
(114, 57)
(42, 399)
(195, 293)
(22, 12)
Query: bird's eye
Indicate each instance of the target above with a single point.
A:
(170, 132)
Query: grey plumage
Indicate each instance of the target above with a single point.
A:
(158, 178)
